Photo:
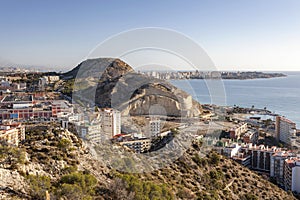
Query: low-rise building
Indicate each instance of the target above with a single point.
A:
(25, 107)
(140, 145)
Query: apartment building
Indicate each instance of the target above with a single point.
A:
(92, 132)
(243, 158)
(277, 166)
(285, 130)
(43, 81)
(98, 126)
(292, 174)
(231, 150)
(236, 132)
(261, 156)
(250, 136)
(110, 121)
(12, 133)
(154, 127)
(257, 157)
(296, 176)
(282, 165)
(138, 145)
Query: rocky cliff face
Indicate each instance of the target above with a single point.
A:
(108, 82)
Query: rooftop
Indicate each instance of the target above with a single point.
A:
(17, 98)
(286, 120)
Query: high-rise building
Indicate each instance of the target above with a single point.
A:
(296, 176)
(154, 127)
(292, 174)
(110, 121)
(285, 130)
(100, 126)
(277, 166)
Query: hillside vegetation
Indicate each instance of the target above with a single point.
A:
(55, 163)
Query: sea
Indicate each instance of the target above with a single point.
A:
(279, 95)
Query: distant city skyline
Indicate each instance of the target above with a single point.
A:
(237, 35)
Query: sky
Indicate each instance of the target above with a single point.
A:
(237, 35)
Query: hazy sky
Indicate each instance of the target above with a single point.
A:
(236, 34)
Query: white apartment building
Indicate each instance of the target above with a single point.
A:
(91, 132)
(110, 121)
(12, 133)
(296, 177)
(292, 174)
(100, 126)
(285, 130)
(277, 166)
(231, 150)
(52, 79)
(139, 146)
(235, 132)
(154, 127)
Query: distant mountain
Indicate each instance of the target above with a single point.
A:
(110, 82)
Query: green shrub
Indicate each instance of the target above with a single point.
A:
(12, 156)
(249, 197)
(215, 175)
(214, 158)
(86, 182)
(38, 186)
(64, 144)
(145, 189)
(199, 161)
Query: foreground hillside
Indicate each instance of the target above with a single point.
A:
(54, 163)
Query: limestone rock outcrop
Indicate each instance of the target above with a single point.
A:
(108, 82)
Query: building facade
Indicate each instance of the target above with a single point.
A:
(277, 166)
(98, 126)
(12, 133)
(292, 174)
(110, 121)
(236, 132)
(285, 130)
(139, 146)
(154, 127)
(296, 177)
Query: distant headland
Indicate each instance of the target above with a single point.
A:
(211, 75)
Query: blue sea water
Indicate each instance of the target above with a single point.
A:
(279, 95)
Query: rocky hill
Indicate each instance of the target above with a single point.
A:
(56, 164)
(108, 82)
